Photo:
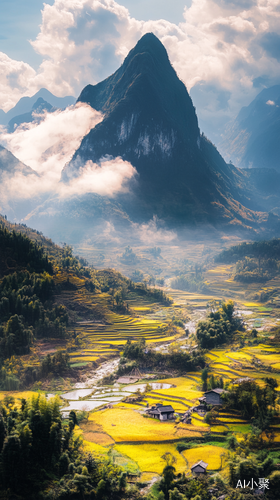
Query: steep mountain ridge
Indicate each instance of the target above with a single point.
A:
(150, 121)
(252, 139)
(9, 164)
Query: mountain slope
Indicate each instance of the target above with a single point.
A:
(150, 121)
(24, 105)
(12, 171)
(252, 139)
(37, 109)
(9, 164)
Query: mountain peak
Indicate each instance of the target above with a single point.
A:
(149, 43)
(150, 121)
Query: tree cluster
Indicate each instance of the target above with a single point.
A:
(40, 457)
(16, 249)
(254, 402)
(26, 310)
(143, 357)
(219, 327)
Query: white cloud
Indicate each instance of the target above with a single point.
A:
(152, 232)
(106, 178)
(225, 51)
(46, 147)
(15, 81)
(270, 103)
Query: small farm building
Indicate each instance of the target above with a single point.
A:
(199, 468)
(161, 412)
(213, 397)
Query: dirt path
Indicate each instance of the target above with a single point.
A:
(98, 374)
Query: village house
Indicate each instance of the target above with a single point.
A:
(161, 412)
(199, 468)
(186, 418)
(212, 397)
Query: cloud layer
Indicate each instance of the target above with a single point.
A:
(225, 51)
(46, 147)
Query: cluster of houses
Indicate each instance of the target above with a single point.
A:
(166, 412)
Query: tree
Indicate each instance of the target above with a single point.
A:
(204, 378)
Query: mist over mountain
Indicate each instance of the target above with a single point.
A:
(37, 109)
(9, 164)
(252, 139)
(138, 162)
(150, 121)
(10, 167)
(25, 104)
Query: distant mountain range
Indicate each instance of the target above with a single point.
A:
(182, 180)
(252, 139)
(36, 114)
(25, 104)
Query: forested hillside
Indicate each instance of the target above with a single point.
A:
(42, 297)
(255, 262)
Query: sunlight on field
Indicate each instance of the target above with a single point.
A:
(214, 456)
(148, 456)
(18, 395)
(125, 425)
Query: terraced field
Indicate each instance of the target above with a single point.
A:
(99, 340)
(124, 432)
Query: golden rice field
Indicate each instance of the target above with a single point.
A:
(148, 456)
(125, 425)
(18, 395)
(138, 441)
(214, 456)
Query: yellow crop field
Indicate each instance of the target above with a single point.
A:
(231, 419)
(148, 456)
(212, 356)
(265, 347)
(95, 449)
(18, 394)
(130, 406)
(220, 270)
(221, 355)
(219, 428)
(128, 425)
(98, 438)
(252, 304)
(212, 455)
(268, 358)
(185, 388)
(76, 358)
(148, 476)
(176, 405)
(239, 356)
(142, 309)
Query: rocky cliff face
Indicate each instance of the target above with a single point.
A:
(150, 121)
(252, 139)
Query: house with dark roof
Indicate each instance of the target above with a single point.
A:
(212, 397)
(161, 412)
(199, 468)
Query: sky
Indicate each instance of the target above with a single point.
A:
(225, 51)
